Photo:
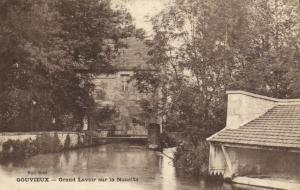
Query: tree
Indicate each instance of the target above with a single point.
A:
(49, 51)
(272, 54)
(203, 48)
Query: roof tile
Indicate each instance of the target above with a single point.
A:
(278, 127)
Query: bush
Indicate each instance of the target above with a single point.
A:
(106, 114)
(47, 144)
(80, 142)
(14, 149)
(67, 144)
(193, 159)
(30, 148)
(7, 146)
(166, 141)
(57, 144)
(17, 149)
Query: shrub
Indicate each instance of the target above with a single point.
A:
(14, 149)
(193, 159)
(80, 142)
(106, 114)
(44, 143)
(57, 144)
(67, 144)
(166, 141)
(7, 146)
(47, 143)
(29, 147)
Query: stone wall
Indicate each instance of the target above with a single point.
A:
(5, 136)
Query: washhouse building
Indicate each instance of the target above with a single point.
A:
(260, 144)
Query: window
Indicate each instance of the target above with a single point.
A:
(100, 94)
(125, 82)
(134, 121)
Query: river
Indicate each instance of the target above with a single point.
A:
(131, 167)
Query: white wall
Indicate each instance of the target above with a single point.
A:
(243, 107)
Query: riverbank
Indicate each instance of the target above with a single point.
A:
(26, 144)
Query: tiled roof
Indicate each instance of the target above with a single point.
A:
(278, 127)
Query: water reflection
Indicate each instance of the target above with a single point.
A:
(153, 170)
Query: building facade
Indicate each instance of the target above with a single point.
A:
(118, 92)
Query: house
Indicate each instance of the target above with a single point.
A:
(118, 91)
(260, 144)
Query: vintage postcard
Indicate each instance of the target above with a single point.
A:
(149, 94)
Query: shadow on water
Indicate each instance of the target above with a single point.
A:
(125, 160)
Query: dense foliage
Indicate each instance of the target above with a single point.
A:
(106, 114)
(203, 48)
(49, 51)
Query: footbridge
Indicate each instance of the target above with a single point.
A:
(107, 135)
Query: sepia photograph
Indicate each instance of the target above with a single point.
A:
(149, 94)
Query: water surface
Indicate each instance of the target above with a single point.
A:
(136, 166)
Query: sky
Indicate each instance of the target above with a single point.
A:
(141, 9)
